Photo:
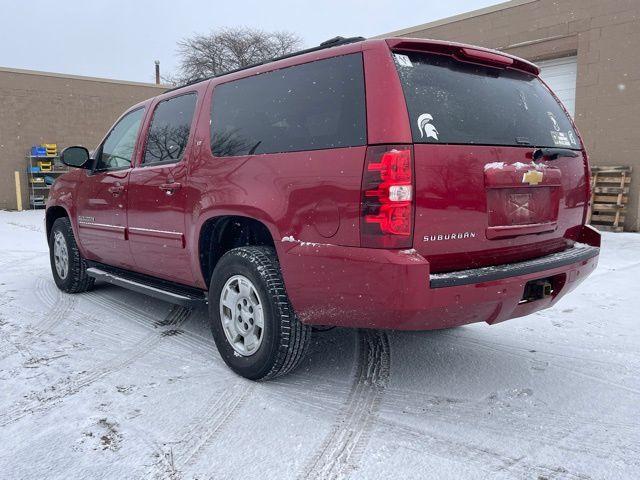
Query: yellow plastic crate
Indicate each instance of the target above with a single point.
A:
(45, 166)
(37, 180)
(51, 148)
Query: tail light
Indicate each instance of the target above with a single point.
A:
(588, 187)
(489, 58)
(386, 210)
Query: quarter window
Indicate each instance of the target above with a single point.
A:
(312, 106)
(117, 149)
(169, 130)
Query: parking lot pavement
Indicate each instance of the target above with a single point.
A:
(111, 384)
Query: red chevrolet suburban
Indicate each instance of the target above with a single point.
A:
(392, 184)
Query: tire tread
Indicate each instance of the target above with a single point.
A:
(78, 280)
(295, 337)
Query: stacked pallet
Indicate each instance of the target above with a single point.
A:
(609, 197)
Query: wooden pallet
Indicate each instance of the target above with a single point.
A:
(609, 197)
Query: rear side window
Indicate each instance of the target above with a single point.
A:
(312, 106)
(169, 130)
(461, 103)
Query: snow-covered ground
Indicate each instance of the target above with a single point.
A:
(112, 384)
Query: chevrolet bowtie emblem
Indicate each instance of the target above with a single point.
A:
(532, 177)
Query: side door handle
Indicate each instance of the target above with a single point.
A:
(170, 188)
(116, 189)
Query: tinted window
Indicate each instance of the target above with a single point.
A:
(117, 149)
(455, 102)
(307, 107)
(169, 130)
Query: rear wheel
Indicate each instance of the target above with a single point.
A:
(68, 267)
(253, 323)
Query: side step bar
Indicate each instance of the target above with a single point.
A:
(157, 290)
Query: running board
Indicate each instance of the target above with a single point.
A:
(180, 296)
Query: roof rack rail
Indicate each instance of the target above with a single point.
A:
(332, 42)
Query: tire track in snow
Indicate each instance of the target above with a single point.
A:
(220, 411)
(341, 450)
(44, 400)
(196, 343)
(19, 260)
(503, 418)
(450, 411)
(59, 306)
(29, 227)
(48, 293)
(518, 352)
(559, 429)
(571, 433)
(59, 309)
(22, 350)
(8, 263)
(553, 434)
(23, 256)
(433, 444)
(309, 394)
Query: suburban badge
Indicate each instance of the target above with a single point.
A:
(448, 236)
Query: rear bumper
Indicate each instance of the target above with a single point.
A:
(373, 288)
(537, 265)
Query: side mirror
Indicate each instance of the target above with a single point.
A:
(77, 157)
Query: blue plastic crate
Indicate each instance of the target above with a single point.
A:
(34, 169)
(38, 151)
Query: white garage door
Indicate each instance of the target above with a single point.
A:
(560, 74)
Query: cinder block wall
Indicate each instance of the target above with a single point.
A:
(37, 107)
(605, 36)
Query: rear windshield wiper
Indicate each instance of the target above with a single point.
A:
(553, 153)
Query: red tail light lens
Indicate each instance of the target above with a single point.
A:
(386, 219)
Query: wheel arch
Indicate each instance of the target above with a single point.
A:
(222, 233)
(52, 214)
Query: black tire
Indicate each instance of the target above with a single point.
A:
(285, 340)
(76, 279)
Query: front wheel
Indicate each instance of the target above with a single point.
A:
(68, 267)
(253, 323)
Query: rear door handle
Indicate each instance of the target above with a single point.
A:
(170, 188)
(116, 189)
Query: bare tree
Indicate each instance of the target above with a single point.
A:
(228, 49)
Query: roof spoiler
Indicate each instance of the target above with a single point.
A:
(465, 53)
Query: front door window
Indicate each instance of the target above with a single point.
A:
(117, 149)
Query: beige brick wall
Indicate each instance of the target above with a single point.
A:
(605, 35)
(38, 107)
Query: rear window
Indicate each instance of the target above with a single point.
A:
(312, 106)
(461, 103)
